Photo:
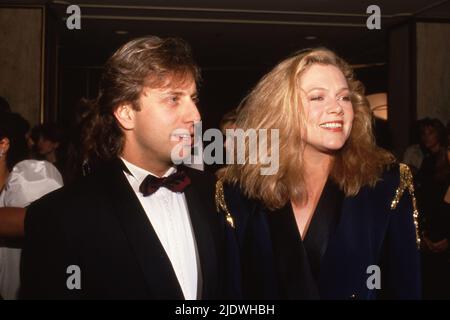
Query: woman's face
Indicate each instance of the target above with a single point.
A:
(4, 147)
(328, 108)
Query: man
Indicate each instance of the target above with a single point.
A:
(138, 227)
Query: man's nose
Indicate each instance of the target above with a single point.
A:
(193, 113)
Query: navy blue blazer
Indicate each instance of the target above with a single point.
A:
(377, 227)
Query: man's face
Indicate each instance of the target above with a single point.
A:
(165, 114)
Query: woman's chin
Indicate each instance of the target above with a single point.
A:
(333, 147)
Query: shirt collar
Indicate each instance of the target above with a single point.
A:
(140, 173)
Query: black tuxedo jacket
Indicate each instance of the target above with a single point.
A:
(99, 225)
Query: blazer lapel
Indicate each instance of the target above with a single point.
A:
(323, 224)
(295, 274)
(155, 263)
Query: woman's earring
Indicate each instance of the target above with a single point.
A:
(1, 153)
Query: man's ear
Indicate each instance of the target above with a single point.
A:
(125, 114)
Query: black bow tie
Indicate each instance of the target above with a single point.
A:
(176, 182)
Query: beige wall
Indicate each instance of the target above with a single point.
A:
(433, 70)
(21, 60)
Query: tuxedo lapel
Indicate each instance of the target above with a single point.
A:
(155, 263)
(203, 236)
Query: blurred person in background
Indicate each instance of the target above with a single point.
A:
(433, 181)
(21, 182)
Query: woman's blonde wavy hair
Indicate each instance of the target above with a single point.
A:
(275, 103)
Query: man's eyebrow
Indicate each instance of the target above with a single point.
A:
(179, 92)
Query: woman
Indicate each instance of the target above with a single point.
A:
(21, 182)
(433, 180)
(337, 220)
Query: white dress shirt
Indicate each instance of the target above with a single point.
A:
(169, 216)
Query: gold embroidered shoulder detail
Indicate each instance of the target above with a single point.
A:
(221, 204)
(407, 183)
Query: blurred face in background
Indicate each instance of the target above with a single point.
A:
(30, 142)
(45, 146)
(429, 138)
(227, 125)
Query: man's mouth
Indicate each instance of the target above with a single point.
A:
(183, 137)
